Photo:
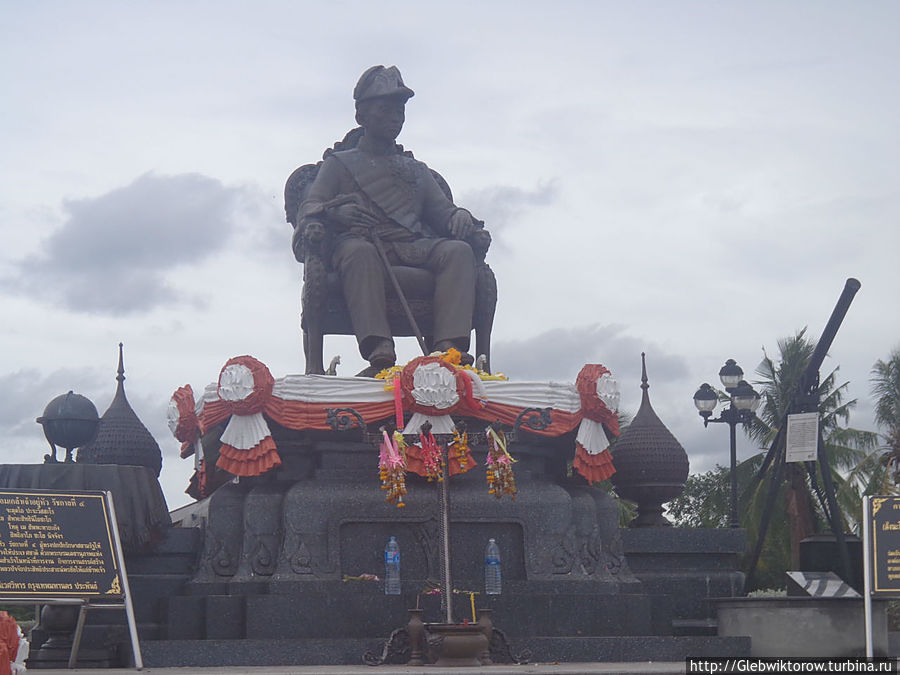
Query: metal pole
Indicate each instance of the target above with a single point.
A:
(867, 573)
(126, 590)
(79, 629)
(734, 502)
(444, 507)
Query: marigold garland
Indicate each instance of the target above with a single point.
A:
(392, 469)
(499, 474)
(389, 375)
(459, 446)
(452, 356)
(484, 376)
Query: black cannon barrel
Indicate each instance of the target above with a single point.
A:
(831, 328)
(777, 450)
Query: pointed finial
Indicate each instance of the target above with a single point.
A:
(121, 376)
(644, 384)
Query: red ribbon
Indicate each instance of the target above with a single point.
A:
(398, 403)
(188, 428)
(592, 406)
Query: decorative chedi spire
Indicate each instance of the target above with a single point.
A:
(121, 437)
(651, 465)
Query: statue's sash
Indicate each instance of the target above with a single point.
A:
(389, 192)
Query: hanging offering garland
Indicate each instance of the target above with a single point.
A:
(431, 455)
(500, 478)
(392, 469)
(460, 454)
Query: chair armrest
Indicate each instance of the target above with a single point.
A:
(480, 241)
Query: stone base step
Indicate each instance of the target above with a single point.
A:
(211, 653)
(695, 627)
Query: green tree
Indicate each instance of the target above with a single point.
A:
(704, 502)
(853, 460)
(855, 464)
(886, 389)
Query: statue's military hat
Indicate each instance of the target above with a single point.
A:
(380, 81)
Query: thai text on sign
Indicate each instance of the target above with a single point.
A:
(56, 544)
(885, 544)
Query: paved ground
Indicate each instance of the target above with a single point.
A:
(640, 668)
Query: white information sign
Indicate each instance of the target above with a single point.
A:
(802, 437)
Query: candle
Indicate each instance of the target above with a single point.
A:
(398, 404)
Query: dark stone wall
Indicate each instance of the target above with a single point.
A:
(277, 548)
(690, 566)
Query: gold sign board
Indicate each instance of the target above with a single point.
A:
(884, 521)
(57, 545)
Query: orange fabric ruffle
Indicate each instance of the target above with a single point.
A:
(256, 461)
(187, 429)
(593, 467)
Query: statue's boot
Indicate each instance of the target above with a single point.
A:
(382, 356)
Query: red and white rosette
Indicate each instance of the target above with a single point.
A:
(599, 394)
(433, 389)
(245, 387)
(182, 418)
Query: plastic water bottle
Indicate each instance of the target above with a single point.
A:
(392, 568)
(492, 568)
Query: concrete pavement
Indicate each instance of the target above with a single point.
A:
(631, 668)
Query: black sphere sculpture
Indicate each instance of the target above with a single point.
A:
(70, 421)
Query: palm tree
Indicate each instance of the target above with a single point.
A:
(886, 388)
(853, 464)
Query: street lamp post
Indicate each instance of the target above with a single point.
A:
(743, 402)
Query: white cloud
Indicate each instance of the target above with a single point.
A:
(112, 252)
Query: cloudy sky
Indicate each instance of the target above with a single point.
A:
(690, 179)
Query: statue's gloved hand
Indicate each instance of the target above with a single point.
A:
(352, 214)
(461, 224)
(314, 232)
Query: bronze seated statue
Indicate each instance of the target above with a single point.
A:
(324, 309)
(377, 231)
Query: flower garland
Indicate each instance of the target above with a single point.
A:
(459, 447)
(452, 357)
(360, 577)
(431, 456)
(499, 474)
(392, 469)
